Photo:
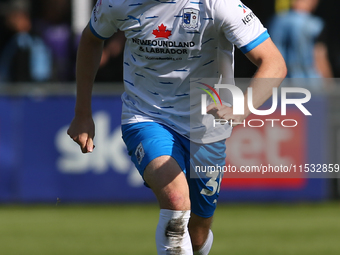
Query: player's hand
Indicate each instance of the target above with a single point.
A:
(225, 112)
(82, 132)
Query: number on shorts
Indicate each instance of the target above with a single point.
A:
(213, 183)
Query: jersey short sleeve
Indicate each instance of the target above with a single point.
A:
(102, 19)
(239, 24)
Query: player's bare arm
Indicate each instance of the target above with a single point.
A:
(271, 65)
(82, 128)
(270, 73)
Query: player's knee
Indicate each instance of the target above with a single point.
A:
(177, 201)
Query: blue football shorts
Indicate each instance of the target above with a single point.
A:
(146, 141)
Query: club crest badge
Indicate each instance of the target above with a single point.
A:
(190, 18)
(139, 153)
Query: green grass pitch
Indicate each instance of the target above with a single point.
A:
(129, 229)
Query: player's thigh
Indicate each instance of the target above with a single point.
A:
(168, 182)
(158, 155)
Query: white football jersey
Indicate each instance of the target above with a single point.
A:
(171, 46)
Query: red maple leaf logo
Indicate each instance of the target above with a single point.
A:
(161, 32)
